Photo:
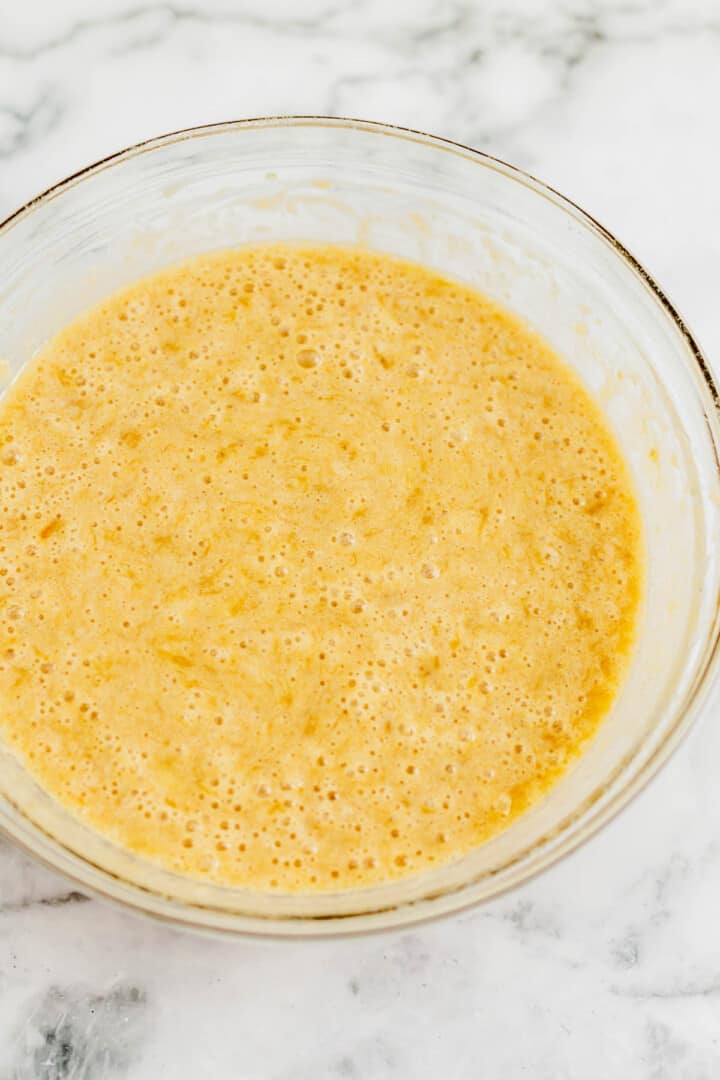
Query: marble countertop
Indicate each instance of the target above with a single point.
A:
(608, 966)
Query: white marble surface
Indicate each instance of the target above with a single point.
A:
(608, 966)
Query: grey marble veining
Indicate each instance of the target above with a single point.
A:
(608, 966)
(69, 1031)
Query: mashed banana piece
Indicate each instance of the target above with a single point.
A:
(316, 568)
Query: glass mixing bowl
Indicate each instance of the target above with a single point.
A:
(479, 220)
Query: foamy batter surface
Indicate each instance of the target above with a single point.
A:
(316, 569)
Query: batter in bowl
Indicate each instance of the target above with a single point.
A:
(317, 569)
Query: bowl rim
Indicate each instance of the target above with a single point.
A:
(213, 921)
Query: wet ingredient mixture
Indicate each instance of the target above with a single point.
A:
(317, 569)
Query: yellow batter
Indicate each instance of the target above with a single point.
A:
(316, 568)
